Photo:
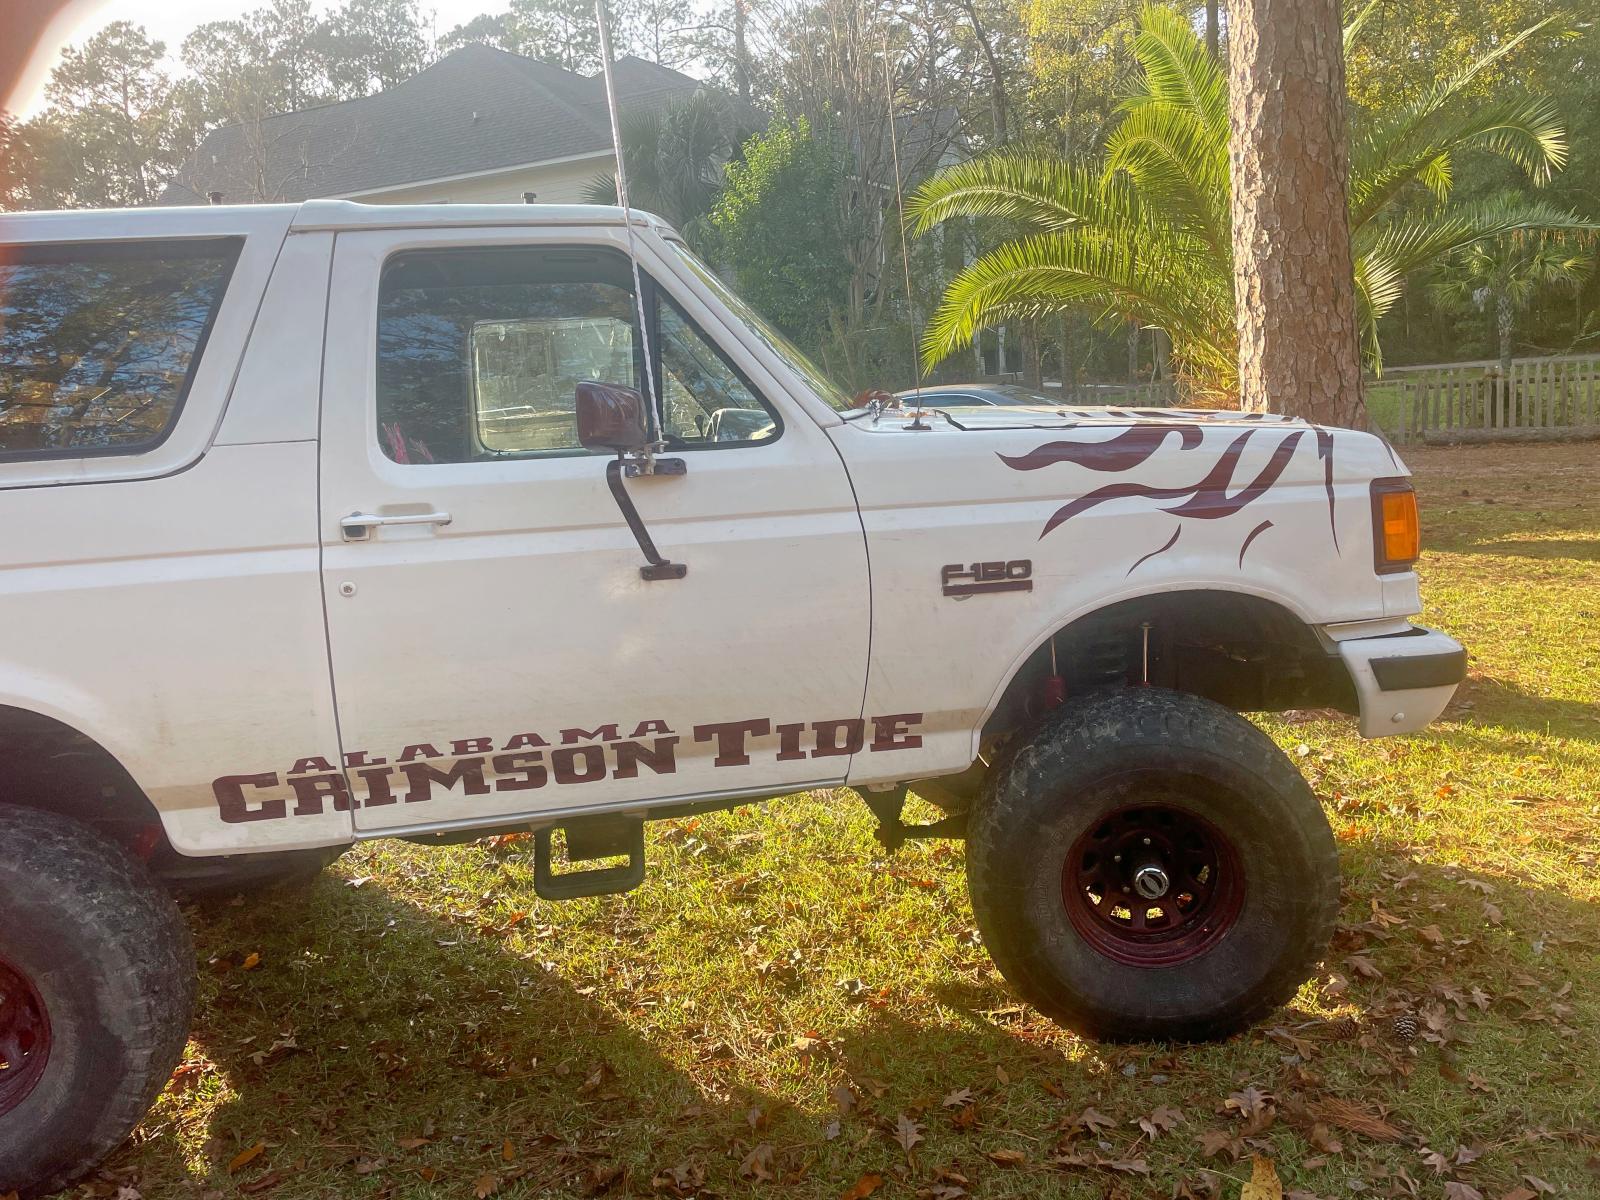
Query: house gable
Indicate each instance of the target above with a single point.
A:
(476, 111)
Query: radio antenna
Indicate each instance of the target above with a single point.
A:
(652, 414)
(900, 209)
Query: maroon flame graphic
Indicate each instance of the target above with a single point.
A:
(1211, 498)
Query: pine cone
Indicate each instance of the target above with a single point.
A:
(1405, 1027)
(1342, 1029)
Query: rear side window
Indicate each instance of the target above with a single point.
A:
(99, 341)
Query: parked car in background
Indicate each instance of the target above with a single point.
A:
(961, 395)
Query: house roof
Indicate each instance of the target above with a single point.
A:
(476, 110)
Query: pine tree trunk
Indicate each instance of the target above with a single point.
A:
(1032, 357)
(1294, 290)
(741, 52)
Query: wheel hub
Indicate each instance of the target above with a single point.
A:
(1153, 884)
(24, 1037)
(1151, 881)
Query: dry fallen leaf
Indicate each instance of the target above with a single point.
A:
(863, 1187)
(1163, 1120)
(251, 961)
(1220, 1141)
(907, 1132)
(508, 1152)
(1092, 1122)
(485, 1185)
(758, 1163)
(1255, 1107)
(245, 1157)
(843, 1099)
(1456, 1190)
(1008, 1158)
(1264, 1183)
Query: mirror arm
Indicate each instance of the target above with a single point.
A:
(657, 567)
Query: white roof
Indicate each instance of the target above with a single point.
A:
(231, 220)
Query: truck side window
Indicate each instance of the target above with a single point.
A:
(480, 352)
(99, 341)
(704, 398)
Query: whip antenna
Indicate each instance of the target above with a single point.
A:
(653, 416)
(900, 208)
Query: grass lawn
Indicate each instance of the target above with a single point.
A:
(782, 1010)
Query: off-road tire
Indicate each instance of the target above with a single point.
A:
(229, 875)
(109, 955)
(1091, 759)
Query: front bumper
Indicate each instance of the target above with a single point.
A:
(1403, 680)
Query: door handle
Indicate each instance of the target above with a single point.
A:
(358, 526)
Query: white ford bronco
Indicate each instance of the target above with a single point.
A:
(329, 522)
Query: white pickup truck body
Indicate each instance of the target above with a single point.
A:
(199, 609)
(325, 522)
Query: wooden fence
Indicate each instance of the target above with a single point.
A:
(1540, 398)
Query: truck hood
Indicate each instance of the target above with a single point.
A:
(1203, 466)
(985, 417)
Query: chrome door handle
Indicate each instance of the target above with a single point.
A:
(358, 526)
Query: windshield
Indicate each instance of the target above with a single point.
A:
(775, 341)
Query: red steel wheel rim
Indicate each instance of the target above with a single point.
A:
(1153, 885)
(24, 1037)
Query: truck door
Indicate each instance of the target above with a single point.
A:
(496, 651)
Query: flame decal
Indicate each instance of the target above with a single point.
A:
(1121, 453)
(1325, 453)
(1171, 542)
(1207, 500)
(1254, 534)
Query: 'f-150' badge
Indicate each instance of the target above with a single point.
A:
(971, 580)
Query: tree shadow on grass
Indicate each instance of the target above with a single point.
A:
(378, 1051)
(1577, 549)
(1483, 700)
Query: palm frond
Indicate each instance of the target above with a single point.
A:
(1178, 167)
(1524, 129)
(1045, 193)
(602, 189)
(1415, 142)
(1121, 274)
(1177, 69)
(1352, 30)
(1385, 257)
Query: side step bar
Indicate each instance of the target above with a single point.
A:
(590, 838)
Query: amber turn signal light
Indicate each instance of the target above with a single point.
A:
(1396, 531)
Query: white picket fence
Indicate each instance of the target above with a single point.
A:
(1540, 398)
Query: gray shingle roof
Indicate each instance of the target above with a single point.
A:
(477, 109)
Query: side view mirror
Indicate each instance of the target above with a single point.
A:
(611, 417)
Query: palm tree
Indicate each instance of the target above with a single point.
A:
(1503, 273)
(1144, 234)
(675, 156)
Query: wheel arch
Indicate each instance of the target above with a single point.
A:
(53, 766)
(1188, 625)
